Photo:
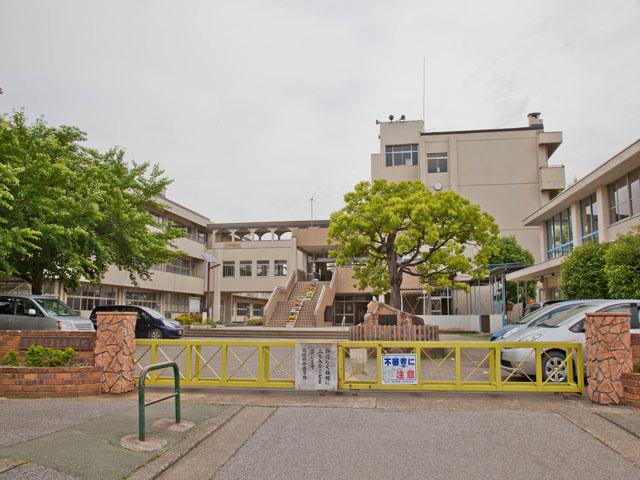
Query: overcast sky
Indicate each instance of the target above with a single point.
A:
(254, 107)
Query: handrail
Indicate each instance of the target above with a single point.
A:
(142, 405)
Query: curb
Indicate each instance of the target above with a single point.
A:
(156, 467)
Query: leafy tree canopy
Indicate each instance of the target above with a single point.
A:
(69, 211)
(392, 229)
(582, 274)
(622, 266)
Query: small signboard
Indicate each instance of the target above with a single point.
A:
(316, 366)
(399, 369)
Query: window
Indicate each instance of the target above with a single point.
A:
(245, 268)
(228, 269)
(559, 235)
(624, 196)
(242, 309)
(87, 297)
(182, 266)
(143, 298)
(437, 163)
(201, 236)
(177, 303)
(263, 268)
(6, 306)
(258, 309)
(157, 218)
(280, 268)
(187, 228)
(589, 218)
(398, 155)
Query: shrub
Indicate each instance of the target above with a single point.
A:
(10, 359)
(188, 319)
(622, 267)
(39, 356)
(582, 275)
(255, 322)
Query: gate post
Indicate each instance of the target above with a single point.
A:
(114, 350)
(608, 351)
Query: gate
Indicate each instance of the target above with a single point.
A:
(439, 366)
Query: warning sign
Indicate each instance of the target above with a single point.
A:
(399, 369)
(316, 366)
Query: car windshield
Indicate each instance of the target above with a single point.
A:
(153, 313)
(53, 306)
(562, 317)
(536, 314)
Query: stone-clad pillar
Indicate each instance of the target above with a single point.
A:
(114, 350)
(608, 353)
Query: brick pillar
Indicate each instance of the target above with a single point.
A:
(114, 350)
(608, 354)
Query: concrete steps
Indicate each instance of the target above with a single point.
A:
(305, 317)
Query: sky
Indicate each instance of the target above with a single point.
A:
(254, 107)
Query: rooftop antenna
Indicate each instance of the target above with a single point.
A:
(311, 204)
(424, 87)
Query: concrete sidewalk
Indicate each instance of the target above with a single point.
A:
(286, 434)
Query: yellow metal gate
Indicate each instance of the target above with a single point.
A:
(444, 366)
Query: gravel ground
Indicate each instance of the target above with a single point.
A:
(336, 443)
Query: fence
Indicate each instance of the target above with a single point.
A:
(414, 333)
(463, 366)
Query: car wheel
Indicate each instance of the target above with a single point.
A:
(553, 367)
(155, 334)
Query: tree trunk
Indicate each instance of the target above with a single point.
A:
(36, 288)
(395, 276)
(394, 292)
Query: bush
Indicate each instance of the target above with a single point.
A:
(39, 356)
(255, 322)
(10, 359)
(623, 267)
(582, 275)
(189, 319)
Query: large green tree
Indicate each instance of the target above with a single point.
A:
(508, 250)
(582, 274)
(73, 211)
(392, 229)
(622, 266)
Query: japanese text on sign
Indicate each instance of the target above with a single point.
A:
(316, 366)
(399, 369)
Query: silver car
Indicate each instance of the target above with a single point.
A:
(566, 327)
(39, 312)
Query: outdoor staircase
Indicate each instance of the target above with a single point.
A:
(305, 316)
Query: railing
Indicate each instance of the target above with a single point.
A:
(467, 365)
(142, 404)
(327, 295)
(279, 294)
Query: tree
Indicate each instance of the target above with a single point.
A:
(582, 274)
(77, 210)
(622, 266)
(508, 250)
(392, 229)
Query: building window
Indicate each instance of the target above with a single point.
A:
(559, 235)
(87, 297)
(228, 269)
(624, 196)
(188, 229)
(399, 155)
(182, 266)
(177, 303)
(280, 268)
(437, 163)
(245, 268)
(589, 218)
(263, 268)
(201, 236)
(157, 218)
(258, 309)
(242, 309)
(143, 298)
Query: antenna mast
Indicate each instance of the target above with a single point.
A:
(424, 86)
(311, 204)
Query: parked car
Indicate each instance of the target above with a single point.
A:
(538, 316)
(39, 312)
(150, 323)
(568, 326)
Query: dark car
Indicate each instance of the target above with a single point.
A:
(150, 323)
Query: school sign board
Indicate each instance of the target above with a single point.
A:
(316, 366)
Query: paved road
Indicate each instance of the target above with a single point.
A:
(335, 443)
